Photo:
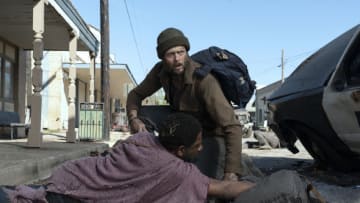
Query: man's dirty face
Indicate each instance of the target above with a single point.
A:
(175, 58)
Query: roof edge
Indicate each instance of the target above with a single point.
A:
(85, 35)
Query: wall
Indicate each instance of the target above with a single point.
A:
(261, 103)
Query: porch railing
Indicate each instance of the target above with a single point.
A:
(91, 121)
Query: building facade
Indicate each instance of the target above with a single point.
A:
(261, 103)
(29, 30)
(56, 68)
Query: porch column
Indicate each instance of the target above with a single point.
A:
(92, 77)
(35, 136)
(70, 134)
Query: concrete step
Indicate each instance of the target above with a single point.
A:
(20, 164)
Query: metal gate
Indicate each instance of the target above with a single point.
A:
(91, 121)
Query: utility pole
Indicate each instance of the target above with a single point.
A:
(282, 65)
(105, 85)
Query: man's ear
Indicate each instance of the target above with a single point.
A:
(180, 151)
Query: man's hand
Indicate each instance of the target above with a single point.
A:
(231, 176)
(136, 125)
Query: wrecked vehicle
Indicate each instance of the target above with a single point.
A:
(319, 104)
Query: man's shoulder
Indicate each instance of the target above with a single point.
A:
(207, 78)
(207, 81)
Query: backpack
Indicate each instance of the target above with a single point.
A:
(229, 70)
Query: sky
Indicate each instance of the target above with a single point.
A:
(256, 30)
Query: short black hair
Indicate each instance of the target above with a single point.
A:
(179, 129)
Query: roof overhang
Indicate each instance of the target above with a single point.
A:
(61, 18)
(119, 74)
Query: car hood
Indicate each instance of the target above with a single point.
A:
(315, 71)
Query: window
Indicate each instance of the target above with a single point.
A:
(7, 75)
(8, 80)
(354, 71)
(352, 64)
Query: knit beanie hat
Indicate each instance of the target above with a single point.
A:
(169, 38)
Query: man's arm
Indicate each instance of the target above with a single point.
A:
(223, 114)
(228, 189)
(147, 87)
(136, 125)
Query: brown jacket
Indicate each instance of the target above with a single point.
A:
(203, 99)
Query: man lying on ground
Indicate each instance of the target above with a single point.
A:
(143, 168)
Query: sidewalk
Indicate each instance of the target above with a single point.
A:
(20, 164)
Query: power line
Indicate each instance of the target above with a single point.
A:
(295, 57)
(287, 60)
(134, 36)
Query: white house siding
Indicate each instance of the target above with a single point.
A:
(54, 111)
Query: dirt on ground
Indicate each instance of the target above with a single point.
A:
(334, 186)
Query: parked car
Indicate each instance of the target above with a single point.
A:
(319, 104)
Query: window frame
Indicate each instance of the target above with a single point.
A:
(8, 103)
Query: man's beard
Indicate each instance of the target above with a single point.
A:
(171, 68)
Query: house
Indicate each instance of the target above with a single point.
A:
(261, 102)
(29, 31)
(251, 108)
(56, 69)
